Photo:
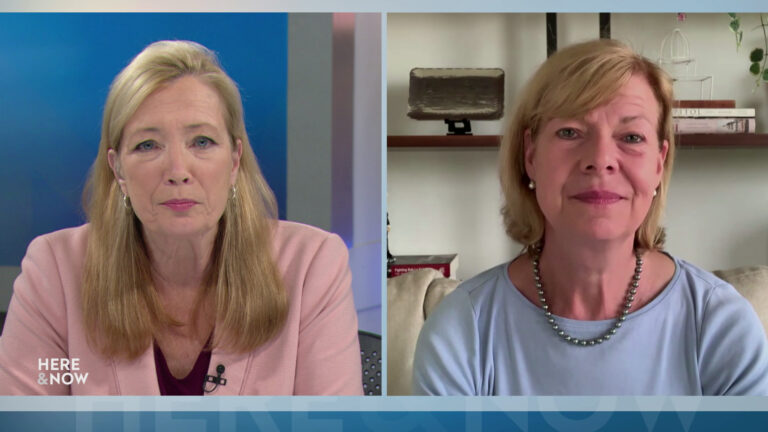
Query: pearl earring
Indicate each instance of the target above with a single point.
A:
(532, 185)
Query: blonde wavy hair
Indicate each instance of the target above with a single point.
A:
(121, 308)
(572, 82)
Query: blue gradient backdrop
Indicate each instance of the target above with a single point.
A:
(55, 71)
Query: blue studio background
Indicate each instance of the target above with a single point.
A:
(55, 71)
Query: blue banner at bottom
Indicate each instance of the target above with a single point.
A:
(320, 421)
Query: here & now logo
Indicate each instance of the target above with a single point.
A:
(60, 371)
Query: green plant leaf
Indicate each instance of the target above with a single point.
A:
(756, 55)
(731, 14)
(735, 24)
(754, 69)
(765, 75)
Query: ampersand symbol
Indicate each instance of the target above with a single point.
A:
(41, 379)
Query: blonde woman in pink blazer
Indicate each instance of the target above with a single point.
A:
(182, 282)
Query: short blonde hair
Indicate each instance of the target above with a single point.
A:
(572, 82)
(121, 308)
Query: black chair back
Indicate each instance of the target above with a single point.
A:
(370, 358)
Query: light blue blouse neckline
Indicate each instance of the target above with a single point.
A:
(589, 323)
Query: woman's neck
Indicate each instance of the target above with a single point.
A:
(586, 280)
(179, 264)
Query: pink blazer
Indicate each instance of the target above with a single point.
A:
(316, 353)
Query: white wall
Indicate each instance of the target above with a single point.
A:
(447, 200)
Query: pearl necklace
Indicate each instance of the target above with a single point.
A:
(619, 320)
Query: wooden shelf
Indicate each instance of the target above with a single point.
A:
(491, 141)
(443, 141)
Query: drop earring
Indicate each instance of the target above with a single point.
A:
(126, 202)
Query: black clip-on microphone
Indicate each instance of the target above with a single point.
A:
(216, 380)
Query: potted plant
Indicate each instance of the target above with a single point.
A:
(758, 57)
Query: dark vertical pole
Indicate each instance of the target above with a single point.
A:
(551, 33)
(605, 25)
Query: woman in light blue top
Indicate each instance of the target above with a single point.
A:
(592, 306)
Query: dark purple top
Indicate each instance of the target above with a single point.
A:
(190, 385)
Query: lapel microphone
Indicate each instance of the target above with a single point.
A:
(215, 380)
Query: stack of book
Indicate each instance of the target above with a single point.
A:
(712, 117)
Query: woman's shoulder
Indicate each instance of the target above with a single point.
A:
(292, 237)
(66, 246)
(732, 348)
(480, 292)
(712, 299)
(701, 284)
(301, 250)
(487, 283)
(51, 270)
(697, 274)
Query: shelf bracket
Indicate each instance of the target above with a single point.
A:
(458, 127)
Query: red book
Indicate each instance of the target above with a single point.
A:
(705, 103)
(445, 264)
